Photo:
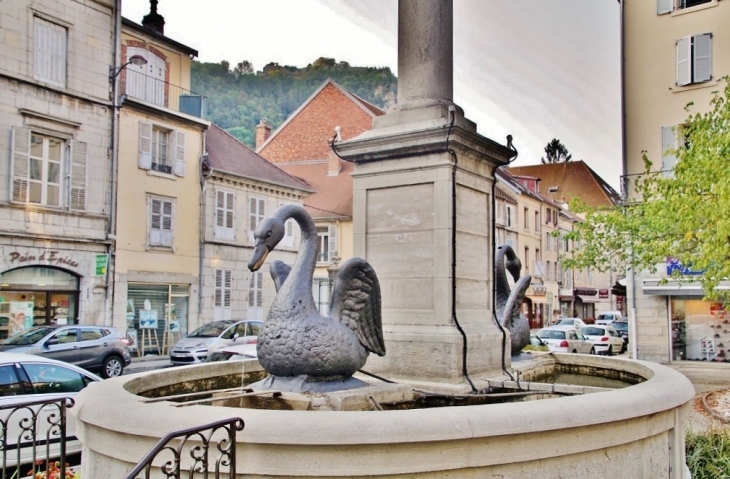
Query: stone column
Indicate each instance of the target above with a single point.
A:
(404, 181)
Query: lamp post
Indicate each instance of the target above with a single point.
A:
(136, 60)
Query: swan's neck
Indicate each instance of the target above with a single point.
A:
(300, 276)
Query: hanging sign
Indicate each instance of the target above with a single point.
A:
(101, 262)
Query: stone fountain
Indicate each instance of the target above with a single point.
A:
(423, 186)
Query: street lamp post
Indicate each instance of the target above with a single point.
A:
(136, 60)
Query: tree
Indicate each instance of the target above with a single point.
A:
(556, 152)
(684, 217)
(243, 68)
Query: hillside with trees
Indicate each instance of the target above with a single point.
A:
(239, 97)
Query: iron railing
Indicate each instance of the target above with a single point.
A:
(26, 428)
(629, 193)
(199, 449)
(158, 92)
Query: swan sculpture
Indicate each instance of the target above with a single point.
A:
(296, 340)
(509, 302)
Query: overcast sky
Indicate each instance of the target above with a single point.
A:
(535, 69)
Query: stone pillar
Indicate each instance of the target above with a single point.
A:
(402, 215)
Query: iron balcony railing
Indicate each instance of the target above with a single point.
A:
(33, 437)
(158, 92)
(629, 194)
(195, 442)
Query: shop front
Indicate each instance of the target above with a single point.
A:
(157, 316)
(585, 303)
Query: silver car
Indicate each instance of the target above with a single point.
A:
(99, 349)
(211, 337)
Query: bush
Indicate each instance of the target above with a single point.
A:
(708, 453)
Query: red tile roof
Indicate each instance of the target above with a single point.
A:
(227, 154)
(333, 197)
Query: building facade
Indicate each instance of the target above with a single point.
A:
(55, 157)
(675, 52)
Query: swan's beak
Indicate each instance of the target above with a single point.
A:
(259, 256)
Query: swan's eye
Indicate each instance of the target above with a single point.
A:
(268, 234)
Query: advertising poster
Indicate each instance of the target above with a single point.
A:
(21, 316)
(147, 319)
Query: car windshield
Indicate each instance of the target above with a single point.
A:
(565, 321)
(29, 336)
(210, 330)
(551, 334)
(619, 326)
(592, 331)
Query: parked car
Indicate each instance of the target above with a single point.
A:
(95, 348)
(536, 344)
(211, 337)
(568, 323)
(566, 341)
(607, 317)
(27, 378)
(605, 339)
(240, 352)
(622, 327)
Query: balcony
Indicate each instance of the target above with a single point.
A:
(157, 92)
(629, 193)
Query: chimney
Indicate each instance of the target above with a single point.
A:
(334, 165)
(153, 20)
(263, 131)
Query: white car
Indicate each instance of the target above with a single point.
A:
(568, 323)
(210, 337)
(27, 378)
(566, 341)
(607, 317)
(605, 339)
(241, 352)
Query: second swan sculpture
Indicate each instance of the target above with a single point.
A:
(296, 339)
(509, 301)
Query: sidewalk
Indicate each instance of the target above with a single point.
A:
(147, 363)
(705, 377)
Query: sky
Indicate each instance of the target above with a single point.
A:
(534, 69)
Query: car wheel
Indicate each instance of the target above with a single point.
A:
(112, 367)
(593, 351)
(623, 348)
(610, 351)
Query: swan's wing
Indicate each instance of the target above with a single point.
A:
(279, 273)
(356, 303)
(512, 307)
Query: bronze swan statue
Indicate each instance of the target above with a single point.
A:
(509, 302)
(296, 340)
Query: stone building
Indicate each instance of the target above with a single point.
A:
(55, 161)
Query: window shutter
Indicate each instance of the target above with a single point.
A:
(218, 300)
(145, 145)
(179, 151)
(332, 241)
(227, 283)
(684, 65)
(166, 233)
(669, 142)
(230, 200)
(57, 39)
(78, 175)
(155, 221)
(20, 158)
(41, 49)
(220, 206)
(664, 6)
(702, 58)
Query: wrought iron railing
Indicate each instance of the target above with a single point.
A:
(29, 433)
(629, 193)
(196, 442)
(158, 92)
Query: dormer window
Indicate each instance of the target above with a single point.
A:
(553, 189)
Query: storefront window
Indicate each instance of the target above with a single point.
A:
(35, 296)
(700, 330)
(157, 314)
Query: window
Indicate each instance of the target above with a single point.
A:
(288, 239)
(161, 149)
(694, 59)
(224, 213)
(499, 213)
(526, 220)
(548, 240)
(527, 259)
(327, 237)
(160, 221)
(51, 378)
(552, 189)
(66, 336)
(256, 213)
(92, 334)
(145, 82)
(666, 6)
(222, 295)
(321, 289)
(537, 221)
(49, 52)
(256, 296)
(558, 272)
(509, 216)
(9, 385)
(47, 170)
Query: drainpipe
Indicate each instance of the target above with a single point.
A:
(201, 250)
(112, 227)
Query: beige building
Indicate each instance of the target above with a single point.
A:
(55, 118)
(158, 222)
(676, 52)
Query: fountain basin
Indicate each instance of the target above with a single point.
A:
(635, 431)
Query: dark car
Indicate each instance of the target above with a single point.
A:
(622, 327)
(95, 348)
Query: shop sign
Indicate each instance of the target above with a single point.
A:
(603, 293)
(101, 263)
(48, 257)
(673, 264)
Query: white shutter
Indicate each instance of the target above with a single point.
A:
(218, 298)
(669, 142)
(178, 152)
(332, 241)
(145, 145)
(79, 173)
(155, 221)
(684, 65)
(702, 58)
(19, 158)
(41, 50)
(224, 215)
(227, 285)
(58, 37)
(166, 233)
(664, 6)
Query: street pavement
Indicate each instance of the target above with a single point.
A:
(147, 363)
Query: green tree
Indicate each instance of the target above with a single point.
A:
(243, 68)
(556, 152)
(684, 216)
